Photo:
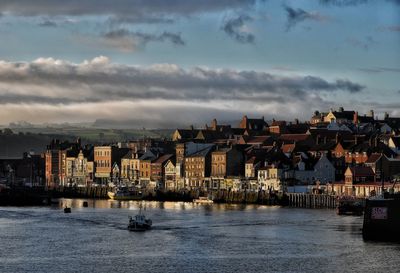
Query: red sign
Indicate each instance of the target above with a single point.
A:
(379, 213)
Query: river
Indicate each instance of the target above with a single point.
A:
(187, 237)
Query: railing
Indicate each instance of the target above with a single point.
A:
(305, 200)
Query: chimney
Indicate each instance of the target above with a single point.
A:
(296, 121)
(371, 113)
(386, 116)
(214, 124)
(341, 109)
(355, 118)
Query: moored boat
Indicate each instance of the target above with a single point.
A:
(348, 205)
(382, 218)
(124, 193)
(203, 200)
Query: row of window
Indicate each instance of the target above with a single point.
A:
(102, 153)
(103, 163)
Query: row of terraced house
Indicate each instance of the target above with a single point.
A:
(338, 151)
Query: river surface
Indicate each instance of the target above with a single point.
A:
(187, 237)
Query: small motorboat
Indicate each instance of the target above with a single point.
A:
(67, 210)
(203, 200)
(350, 206)
(125, 194)
(139, 222)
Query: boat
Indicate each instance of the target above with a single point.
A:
(382, 218)
(349, 205)
(124, 193)
(203, 200)
(67, 210)
(139, 222)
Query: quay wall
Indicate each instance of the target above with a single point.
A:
(23, 196)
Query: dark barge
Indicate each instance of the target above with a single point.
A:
(382, 218)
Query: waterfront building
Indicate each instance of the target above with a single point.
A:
(170, 178)
(105, 158)
(157, 174)
(340, 116)
(197, 165)
(79, 168)
(253, 124)
(56, 160)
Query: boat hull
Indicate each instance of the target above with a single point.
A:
(139, 227)
(114, 196)
(382, 219)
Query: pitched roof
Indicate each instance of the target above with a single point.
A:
(210, 135)
(258, 140)
(396, 140)
(162, 159)
(202, 152)
(278, 123)
(300, 128)
(288, 148)
(294, 137)
(187, 133)
(373, 158)
(344, 114)
(362, 171)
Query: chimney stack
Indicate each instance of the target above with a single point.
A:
(386, 116)
(355, 118)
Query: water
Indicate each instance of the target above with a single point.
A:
(187, 238)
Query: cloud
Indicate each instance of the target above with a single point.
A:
(380, 70)
(395, 28)
(343, 3)
(364, 43)
(135, 10)
(236, 29)
(295, 16)
(50, 89)
(48, 23)
(348, 3)
(129, 41)
(99, 79)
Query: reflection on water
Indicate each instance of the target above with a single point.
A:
(186, 237)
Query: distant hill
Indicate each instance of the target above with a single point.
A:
(20, 140)
(13, 146)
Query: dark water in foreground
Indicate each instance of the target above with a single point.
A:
(187, 238)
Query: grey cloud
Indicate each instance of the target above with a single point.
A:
(295, 16)
(137, 10)
(343, 3)
(149, 19)
(390, 28)
(233, 26)
(364, 43)
(347, 3)
(99, 80)
(48, 23)
(380, 70)
(144, 38)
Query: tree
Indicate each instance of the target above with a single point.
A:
(8, 132)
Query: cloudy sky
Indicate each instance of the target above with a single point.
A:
(158, 62)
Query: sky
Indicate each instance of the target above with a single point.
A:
(158, 64)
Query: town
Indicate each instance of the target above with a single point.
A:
(339, 152)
